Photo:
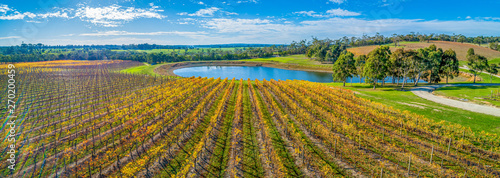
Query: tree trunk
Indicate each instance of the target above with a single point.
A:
(351, 81)
(404, 81)
(474, 77)
(374, 84)
(418, 78)
(446, 79)
(344, 84)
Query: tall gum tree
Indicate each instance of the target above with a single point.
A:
(344, 67)
(376, 65)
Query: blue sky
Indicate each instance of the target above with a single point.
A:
(61, 22)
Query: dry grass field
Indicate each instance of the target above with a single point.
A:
(460, 48)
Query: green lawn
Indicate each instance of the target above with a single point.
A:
(406, 100)
(478, 94)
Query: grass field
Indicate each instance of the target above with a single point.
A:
(145, 69)
(494, 61)
(460, 48)
(294, 60)
(478, 94)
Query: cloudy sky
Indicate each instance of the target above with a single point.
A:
(61, 22)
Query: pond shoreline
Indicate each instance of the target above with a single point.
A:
(168, 69)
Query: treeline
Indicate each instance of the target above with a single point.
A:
(430, 64)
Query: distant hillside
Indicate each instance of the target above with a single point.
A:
(460, 48)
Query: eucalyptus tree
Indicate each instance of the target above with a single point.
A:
(449, 64)
(360, 65)
(476, 63)
(344, 67)
(376, 65)
(493, 70)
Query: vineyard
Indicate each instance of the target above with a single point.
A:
(84, 119)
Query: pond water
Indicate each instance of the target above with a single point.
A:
(258, 72)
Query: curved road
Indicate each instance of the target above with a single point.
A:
(426, 93)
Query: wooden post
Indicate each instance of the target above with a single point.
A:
(449, 144)
(335, 150)
(409, 165)
(432, 152)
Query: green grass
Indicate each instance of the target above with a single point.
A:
(220, 155)
(146, 69)
(406, 100)
(486, 78)
(252, 166)
(292, 59)
(277, 141)
(478, 94)
(494, 61)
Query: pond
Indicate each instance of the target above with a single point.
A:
(257, 72)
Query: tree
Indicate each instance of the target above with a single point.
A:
(419, 64)
(335, 52)
(493, 70)
(376, 65)
(449, 64)
(478, 40)
(360, 65)
(462, 38)
(344, 67)
(404, 60)
(434, 65)
(476, 63)
(395, 64)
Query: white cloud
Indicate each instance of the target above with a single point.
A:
(9, 37)
(337, 1)
(110, 16)
(247, 1)
(222, 25)
(329, 13)
(4, 8)
(125, 33)
(309, 13)
(58, 14)
(341, 12)
(115, 15)
(207, 12)
(201, 3)
(468, 17)
(268, 31)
